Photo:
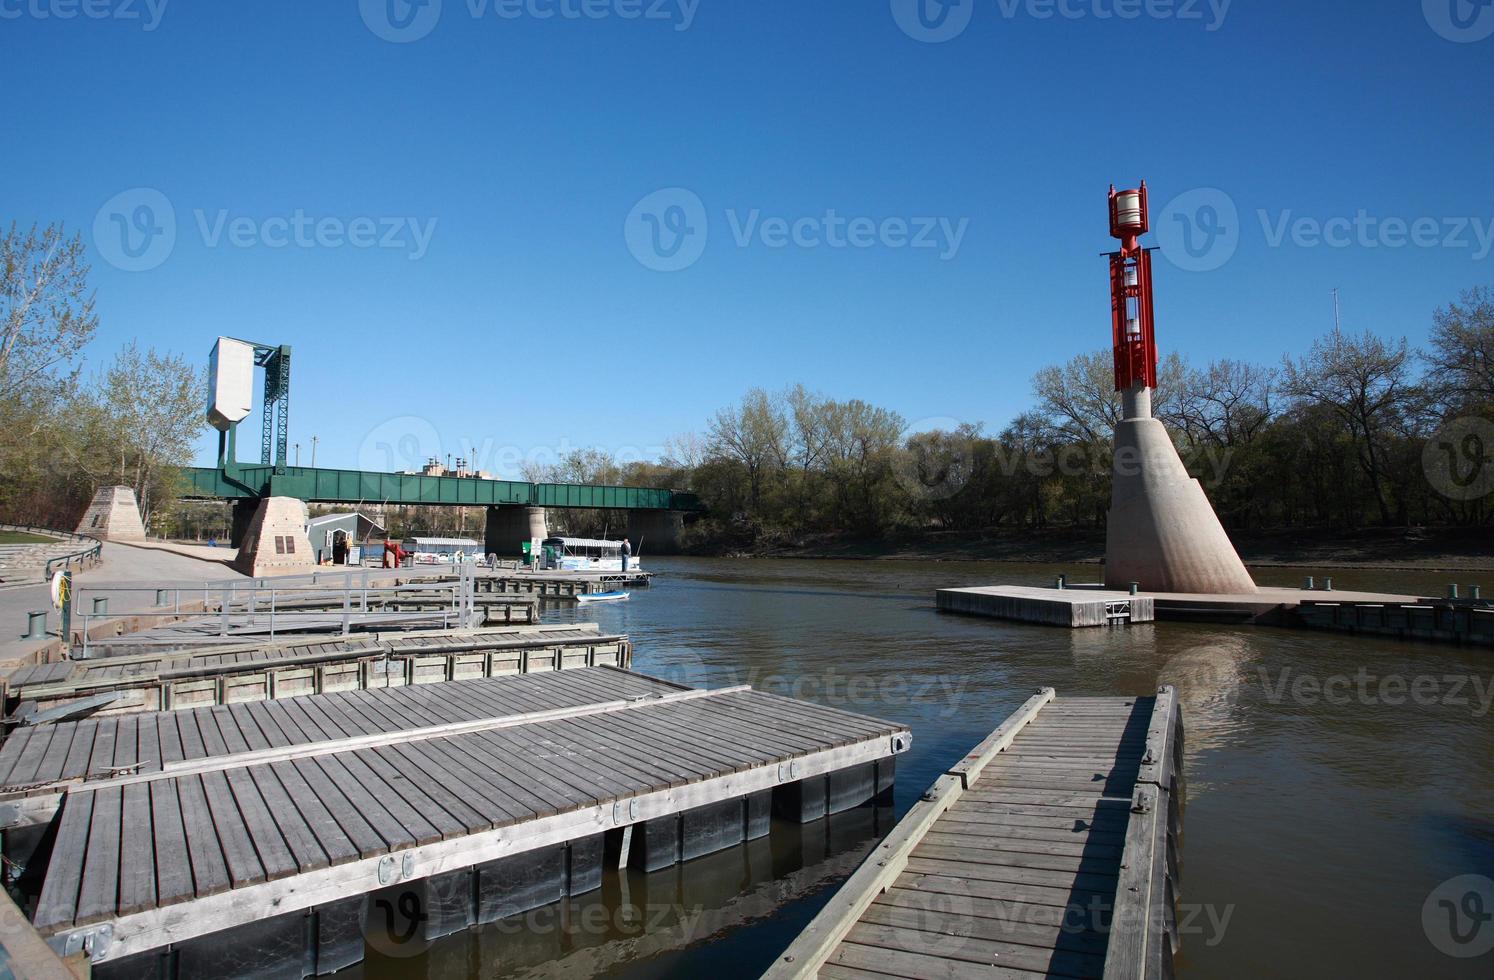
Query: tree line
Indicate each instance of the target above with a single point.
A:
(63, 434)
(1361, 430)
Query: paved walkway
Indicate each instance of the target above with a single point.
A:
(122, 563)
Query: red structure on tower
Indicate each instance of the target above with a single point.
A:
(1133, 322)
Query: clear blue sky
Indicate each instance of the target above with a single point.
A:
(529, 322)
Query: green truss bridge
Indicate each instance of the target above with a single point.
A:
(516, 510)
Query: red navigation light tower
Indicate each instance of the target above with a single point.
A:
(1131, 292)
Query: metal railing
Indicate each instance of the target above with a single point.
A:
(92, 551)
(253, 603)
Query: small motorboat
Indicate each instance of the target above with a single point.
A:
(602, 597)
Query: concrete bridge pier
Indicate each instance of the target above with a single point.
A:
(655, 532)
(243, 516)
(510, 525)
(275, 541)
(114, 515)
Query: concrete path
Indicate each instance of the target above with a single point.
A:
(122, 564)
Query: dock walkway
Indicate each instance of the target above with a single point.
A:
(289, 667)
(1050, 850)
(290, 841)
(40, 763)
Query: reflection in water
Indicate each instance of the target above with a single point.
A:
(1208, 679)
(1321, 827)
(650, 919)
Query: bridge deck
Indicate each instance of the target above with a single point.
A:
(289, 667)
(222, 841)
(1045, 852)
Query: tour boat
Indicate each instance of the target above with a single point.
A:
(584, 555)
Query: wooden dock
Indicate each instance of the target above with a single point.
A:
(278, 853)
(1049, 850)
(39, 764)
(293, 666)
(1073, 608)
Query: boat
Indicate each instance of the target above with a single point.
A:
(603, 597)
(584, 555)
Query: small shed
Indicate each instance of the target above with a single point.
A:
(350, 530)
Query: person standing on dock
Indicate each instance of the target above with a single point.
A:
(627, 552)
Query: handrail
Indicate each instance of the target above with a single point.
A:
(1143, 929)
(93, 552)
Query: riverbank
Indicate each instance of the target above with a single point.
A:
(1420, 549)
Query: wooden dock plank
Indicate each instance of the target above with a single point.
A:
(1000, 868)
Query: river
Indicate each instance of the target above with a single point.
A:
(1317, 824)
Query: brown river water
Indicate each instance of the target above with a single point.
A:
(1336, 786)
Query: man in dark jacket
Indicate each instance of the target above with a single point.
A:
(627, 553)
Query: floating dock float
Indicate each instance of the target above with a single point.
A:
(1073, 608)
(290, 856)
(1049, 850)
(290, 667)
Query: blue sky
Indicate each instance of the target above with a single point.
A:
(512, 162)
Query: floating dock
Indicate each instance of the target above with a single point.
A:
(292, 667)
(1073, 608)
(1049, 850)
(290, 856)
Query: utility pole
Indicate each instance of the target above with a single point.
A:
(298, 454)
(313, 452)
(1336, 321)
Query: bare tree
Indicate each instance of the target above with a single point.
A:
(1462, 349)
(46, 312)
(150, 413)
(754, 434)
(1366, 382)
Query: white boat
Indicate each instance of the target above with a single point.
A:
(603, 597)
(442, 551)
(584, 555)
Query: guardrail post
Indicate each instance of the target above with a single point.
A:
(160, 598)
(227, 598)
(101, 605)
(36, 625)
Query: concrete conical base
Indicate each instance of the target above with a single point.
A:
(275, 542)
(114, 515)
(1162, 531)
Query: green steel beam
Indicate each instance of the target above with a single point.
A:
(323, 486)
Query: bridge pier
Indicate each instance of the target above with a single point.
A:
(275, 540)
(510, 525)
(114, 515)
(243, 514)
(655, 532)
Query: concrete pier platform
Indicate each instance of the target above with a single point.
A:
(1053, 607)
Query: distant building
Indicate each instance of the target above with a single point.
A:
(352, 530)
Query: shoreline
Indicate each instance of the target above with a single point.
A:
(1439, 550)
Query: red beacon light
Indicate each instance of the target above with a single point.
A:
(1133, 325)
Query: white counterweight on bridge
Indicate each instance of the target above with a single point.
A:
(230, 383)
